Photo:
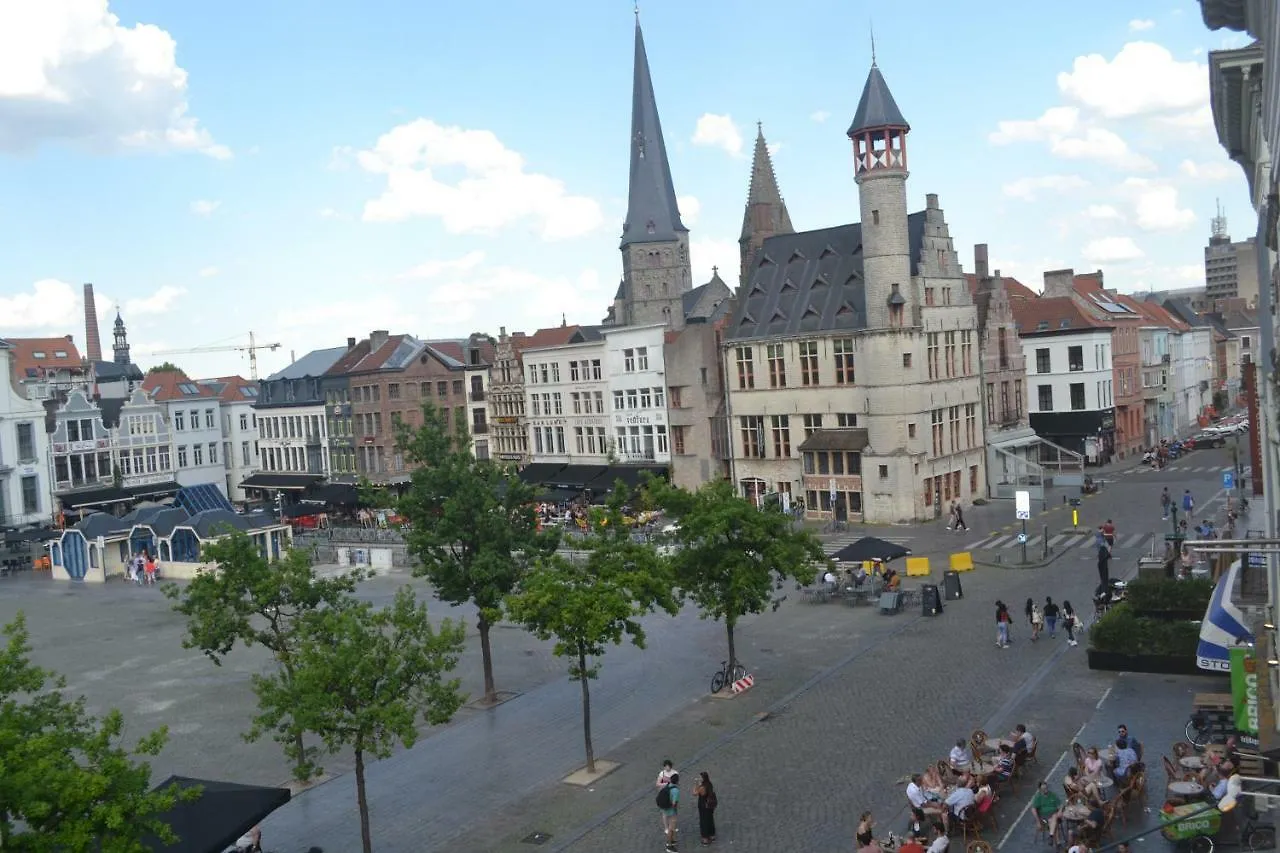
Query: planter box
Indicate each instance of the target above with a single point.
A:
(1160, 664)
(1171, 615)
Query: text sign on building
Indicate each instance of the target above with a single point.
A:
(1022, 505)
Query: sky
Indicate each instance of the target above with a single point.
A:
(309, 172)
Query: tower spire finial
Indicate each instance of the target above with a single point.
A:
(637, 10)
(873, 42)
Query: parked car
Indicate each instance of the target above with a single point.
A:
(1210, 439)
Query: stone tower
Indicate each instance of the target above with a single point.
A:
(766, 214)
(120, 345)
(655, 243)
(879, 135)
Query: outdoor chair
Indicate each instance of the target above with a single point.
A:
(1181, 749)
(1031, 753)
(969, 823)
(978, 846)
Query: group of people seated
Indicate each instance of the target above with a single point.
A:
(1086, 781)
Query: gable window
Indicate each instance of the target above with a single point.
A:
(808, 362)
(842, 351)
(746, 368)
(777, 365)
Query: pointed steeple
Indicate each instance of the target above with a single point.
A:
(766, 213)
(652, 214)
(876, 108)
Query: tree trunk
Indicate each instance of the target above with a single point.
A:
(486, 659)
(733, 660)
(586, 712)
(362, 801)
(301, 766)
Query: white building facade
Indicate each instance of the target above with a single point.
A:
(1157, 393)
(25, 493)
(636, 374)
(1070, 387)
(1192, 359)
(239, 428)
(144, 447)
(568, 403)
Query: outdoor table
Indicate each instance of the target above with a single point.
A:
(1186, 789)
(1074, 815)
(1191, 762)
(1105, 785)
(1005, 742)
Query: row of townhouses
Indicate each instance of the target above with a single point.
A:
(854, 371)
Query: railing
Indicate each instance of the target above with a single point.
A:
(479, 429)
(477, 396)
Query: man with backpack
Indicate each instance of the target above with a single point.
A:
(668, 806)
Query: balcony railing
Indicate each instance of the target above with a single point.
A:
(479, 429)
(477, 396)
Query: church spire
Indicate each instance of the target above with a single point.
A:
(652, 214)
(766, 212)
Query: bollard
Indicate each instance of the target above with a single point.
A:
(1044, 542)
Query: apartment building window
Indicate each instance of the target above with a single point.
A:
(1244, 342)
(931, 353)
(752, 436)
(210, 420)
(30, 495)
(197, 455)
(842, 351)
(182, 456)
(599, 398)
(534, 408)
(26, 442)
(677, 440)
(595, 368)
(906, 360)
(1003, 348)
(811, 423)
(949, 342)
(777, 365)
(557, 403)
(911, 430)
(991, 402)
(966, 352)
(1042, 360)
(953, 413)
(675, 393)
(1075, 359)
(646, 398)
(971, 424)
(781, 427)
(1045, 393)
(642, 358)
(746, 368)
(579, 440)
(213, 453)
(633, 398)
(576, 399)
(1077, 396)
(846, 420)
(659, 400)
(808, 362)
(1004, 402)
(629, 360)
(555, 372)
(244, 453)
(884, 472)
(573, 371)
(929, 295)
(393, 390)
(244, 422)
(544, 375)
(935, 427)
(1017, 406)
(179, 422)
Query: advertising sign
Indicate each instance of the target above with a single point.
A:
(1244, 689)
(1022, 504)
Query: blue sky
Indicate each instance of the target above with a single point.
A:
(311, 173)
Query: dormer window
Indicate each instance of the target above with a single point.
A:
(651, 227)
(38, 354)
(61, 353)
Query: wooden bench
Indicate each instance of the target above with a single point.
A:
(1213, 702)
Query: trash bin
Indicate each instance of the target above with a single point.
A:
(951, 584)
(931, 601)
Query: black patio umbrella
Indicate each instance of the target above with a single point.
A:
(218, 817)
(870, 548)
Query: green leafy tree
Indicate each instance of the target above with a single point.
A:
(373, 495)
(166, 367)
(587, 605)
(67, 785)
(472, 524)
(252, 601)
(363, 677)
(733, 557)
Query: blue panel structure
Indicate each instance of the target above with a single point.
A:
(201, 497)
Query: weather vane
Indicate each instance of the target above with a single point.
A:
(873, 42)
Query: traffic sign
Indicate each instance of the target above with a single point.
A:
(1022, 505)
(1022, 537)
(1228, 480)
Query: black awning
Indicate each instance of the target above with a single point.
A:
(275, 480)
(575, 476)
(301, 510)
(166, 488)
(222, 813)
(333, 494)
(94, 497)
(31, 534)
(630, 475)
(558, 495)
(870, 548)
(540, 472)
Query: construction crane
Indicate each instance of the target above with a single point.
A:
(252, 349)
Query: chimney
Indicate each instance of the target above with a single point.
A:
(1059, 282)
(980, 261)
(92, 339)
(351, 343)
(931, 201)
(377, 338)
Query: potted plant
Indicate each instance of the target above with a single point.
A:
(1169, 599)
(1124, 641)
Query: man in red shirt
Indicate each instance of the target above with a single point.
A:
(1109, 533)
(911, 845)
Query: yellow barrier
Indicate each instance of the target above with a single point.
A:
(918, 567)
(962, 562)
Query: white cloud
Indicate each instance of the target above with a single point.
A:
(1055, 123)
(331, 213)
(1103, 212)
(204, 207)
(1137, 25)
(1103, 146)
(708, 252)
(718, 131)
(819, 116)
(1155, 206)
(1142, 79)
(435, 269)
(157, 303)
(69, 70)
(1211, 171)
(49, 305)
(1028, 189)
(1111, 250)
(493, 192)
(689, 207)
(208, 272)
(773, 148)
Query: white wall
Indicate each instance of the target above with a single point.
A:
(637, 393)
(240, 436)
(1094, 370)
(202, 460)
(27, 471)
(550, 376)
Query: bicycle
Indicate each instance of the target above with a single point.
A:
(1199, 731)
(721, 678)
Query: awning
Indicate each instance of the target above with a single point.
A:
(334, 494)
(630, 475)
(275, 480)
(301, 510)
(222, 813)
(851, 438)
(558, 495)
(870, 548)
(540, 472)
(94, 497)
(1223, 626)
(31, 534)
(166, 488)
(575, 476)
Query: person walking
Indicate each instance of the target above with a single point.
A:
(1002, 625)
(1165, 502)
(1109, 533)
(1051, 616)
(1069, 622)
(960, 525)
(1037, 622)
(1188, 502)
(951, 514)
(664, 779)
(707, 802)
(1104, 570)
(669, 807)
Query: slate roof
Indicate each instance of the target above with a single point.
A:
(764, 191)
(214, 522)
(876, 107)
(101, 524)
(314, 363)
(1052, 314)
(1156, 313)
(163, 521)
(706, 302)
(810, 281)
(652, 213)
(111, 371)
(1181, 308)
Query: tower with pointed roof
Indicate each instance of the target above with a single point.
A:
(879, 136)
(120, 343)
(655, 243)
(766, 214)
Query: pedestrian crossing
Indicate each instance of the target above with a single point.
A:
(1057, 541)
(1185, 469)
(834, 544)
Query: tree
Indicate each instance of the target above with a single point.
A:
(586, 605)
(363, 677)
(166, 367)
(250, 600)
(732, 556)
(472, 524)
(66, 782)
(372, 495)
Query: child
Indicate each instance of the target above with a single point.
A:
(150, 570)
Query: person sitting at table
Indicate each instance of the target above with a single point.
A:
(1048, 807)
(933, 784)
(961, 757)
(1093, 763)
(863, 835)
(1004, 764)
(1126, 757)
(1075, 784)
(1225, 771)
(912, 844)
(940, 840)
(960, 799)
(1022, 739)
(829, 580)
(1122, 733)
(915, 791)
(1090, 828)
(859, 575)
(892, 581)
(917, 824)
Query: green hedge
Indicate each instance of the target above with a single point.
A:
(1123, 631)
(1164, 595)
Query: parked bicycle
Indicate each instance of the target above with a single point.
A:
(721, 678)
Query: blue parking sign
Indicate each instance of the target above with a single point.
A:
(1228, 479)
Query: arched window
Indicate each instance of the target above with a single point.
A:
(93, 556)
